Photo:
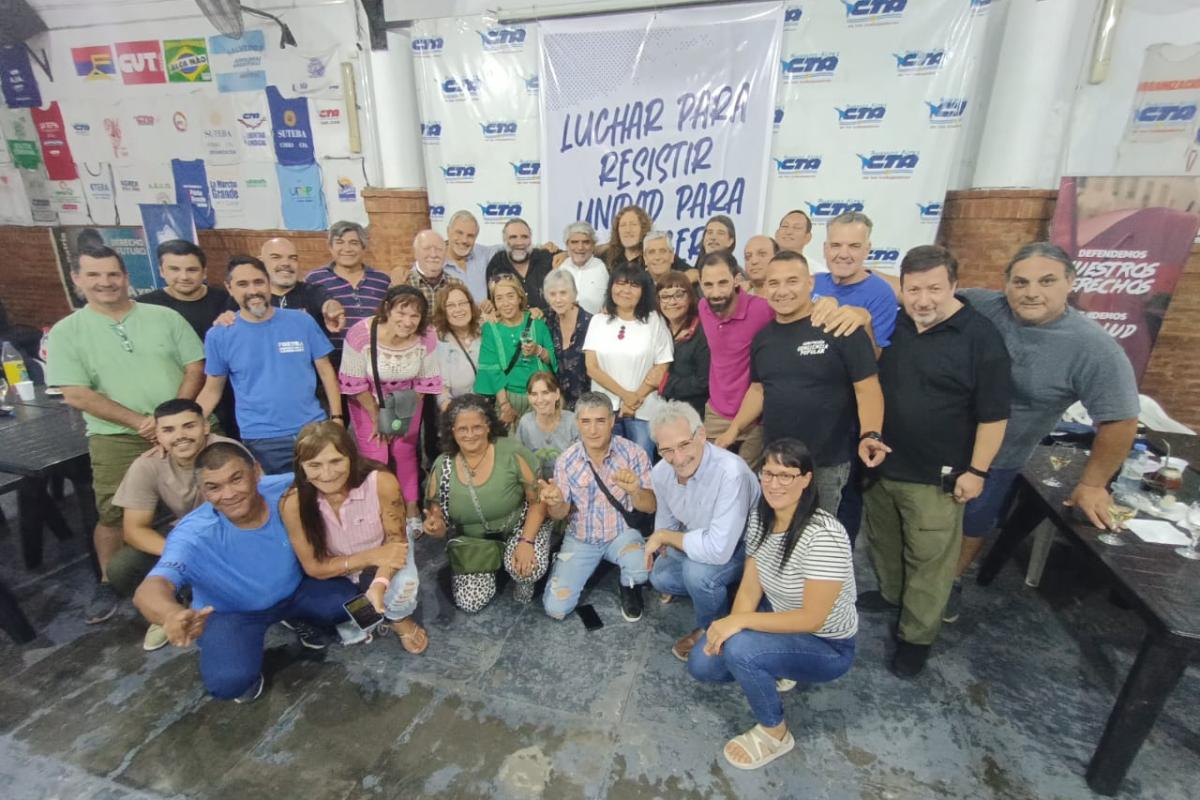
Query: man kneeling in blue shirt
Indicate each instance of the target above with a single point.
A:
(234, 553)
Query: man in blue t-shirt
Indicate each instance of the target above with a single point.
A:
(847, 245)
(269, 354)
(234, 553)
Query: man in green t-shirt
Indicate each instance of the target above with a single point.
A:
(115, 361)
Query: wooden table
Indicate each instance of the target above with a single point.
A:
(1163, 587)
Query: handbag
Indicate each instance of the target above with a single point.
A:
(471, 555)
(397, 409)
(640, 521)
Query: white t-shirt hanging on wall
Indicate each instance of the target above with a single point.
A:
(309, 72)
(245, 195)
(331, 130)
(252, 122)
(87, 137)
(98, 190)
(37, 189)
(68, 201)
(218, 131)
(343, 180)
(14, 204)
(162, 128)
(142, 183)
(1163, 133)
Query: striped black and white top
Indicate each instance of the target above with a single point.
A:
(822, 553)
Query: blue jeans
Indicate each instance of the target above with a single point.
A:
(231, 647)
(637, 431)
(274, 455)
(707, 584)
(982, 514)
(399, 599)
(577, 561)
(755, 659)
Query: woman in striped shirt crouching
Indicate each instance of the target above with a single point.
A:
(793, 619)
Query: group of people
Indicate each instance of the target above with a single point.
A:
(268, 451)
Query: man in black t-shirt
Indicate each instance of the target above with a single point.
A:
(519, 257)
(805, 382)
(288, 291)
(946, 381)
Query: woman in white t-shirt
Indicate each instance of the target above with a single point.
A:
(627, 350)
(794, 617)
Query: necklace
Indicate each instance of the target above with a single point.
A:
(471, 469)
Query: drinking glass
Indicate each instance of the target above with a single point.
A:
(526, 339)
(1192, 523)
(1120, 514)
(1060, 456)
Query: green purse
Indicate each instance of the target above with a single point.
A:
(471, 555)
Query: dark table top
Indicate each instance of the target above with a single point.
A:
(37, 438)
(1166, 585)
(9, 481)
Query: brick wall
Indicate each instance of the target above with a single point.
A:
(984, 229)
(33, 293)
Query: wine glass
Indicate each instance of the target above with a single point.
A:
(1192, 524)
(1060, 456)
(1119, 514)
(526, 340)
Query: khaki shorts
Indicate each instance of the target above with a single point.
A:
(111, 456)
(749, 443)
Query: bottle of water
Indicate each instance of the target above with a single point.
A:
(1130, 479)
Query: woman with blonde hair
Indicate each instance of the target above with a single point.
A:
(514, 347)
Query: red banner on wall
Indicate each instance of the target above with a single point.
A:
(1130, 238)
(53, 136)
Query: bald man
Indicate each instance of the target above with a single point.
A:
(431, 271)
(758, 253)
(288, 291)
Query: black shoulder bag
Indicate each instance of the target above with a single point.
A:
(397, 410)
(640, 521)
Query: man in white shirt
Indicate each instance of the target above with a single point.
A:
(589, 272)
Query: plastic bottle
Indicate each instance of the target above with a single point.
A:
(1129, 480)
(14, 364)
(44, 347)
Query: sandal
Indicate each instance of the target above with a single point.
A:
(762, 747)
(666, 599)
(417, 635)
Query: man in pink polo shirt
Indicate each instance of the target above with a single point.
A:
(730, 318)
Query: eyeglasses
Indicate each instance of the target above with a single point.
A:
(457, 305)
(126, 343)
(672, 296)
(671, 452)
(780, 478)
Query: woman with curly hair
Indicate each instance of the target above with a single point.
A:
(630, 226)
(482, 494)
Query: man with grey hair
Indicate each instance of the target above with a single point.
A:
(589, 272)
(847, 245)
(704, 495)
(430, 272)
(1059, 356)
(347, 279)
(660, 258)
(470, 257)
(598, 483)
(519, 257)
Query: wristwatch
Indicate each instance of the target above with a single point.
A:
(871, 435)
(979, 473)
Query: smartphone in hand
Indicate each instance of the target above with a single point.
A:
(363, 613)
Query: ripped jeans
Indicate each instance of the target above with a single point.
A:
(577, 560)
(399, 600)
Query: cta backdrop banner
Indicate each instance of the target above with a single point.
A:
(870, 102)
(1129, 251)
(670, 111)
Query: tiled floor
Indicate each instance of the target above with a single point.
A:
(511, 704)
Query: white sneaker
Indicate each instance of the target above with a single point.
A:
(156, 638)
(784, 684)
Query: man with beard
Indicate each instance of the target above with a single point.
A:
(288, 291)
(759, 252)
(731, 319)
(162, 475)
(470, 257)
(269, 355)
(519, 257)
(430, 272)
(794, 232)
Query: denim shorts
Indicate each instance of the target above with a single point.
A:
(983, 513)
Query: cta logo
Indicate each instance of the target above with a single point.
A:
(499, 212)
(889, 165)
(810, 68)
(929, 212)
(94, 63)
(458, 173)
(825, 210)
(797, 166)
(869, 116)
(791, 17)
(527, 171)
(431, 132)
(883, 257)
(437, 212)
(499, 130)
(140, 62)
(429, 46)
(947, 112)
(502, 39)
(454, 89)
(1162, 115)
(874, 12)
(918, 62)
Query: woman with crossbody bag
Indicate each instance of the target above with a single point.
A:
(456, 320)
(482, 495)
(387, 369)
